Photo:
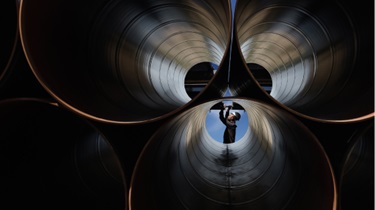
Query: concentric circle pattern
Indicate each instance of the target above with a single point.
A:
(276, 160)
(108, 104)
(314, 52)
(118, 56)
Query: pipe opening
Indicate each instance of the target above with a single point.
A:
(198, 77)
(104, 59)
(278, 164)
(315, 53)
(52, 159)
(216, 128)
(262, 76)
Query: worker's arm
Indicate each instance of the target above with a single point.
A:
(221, 114)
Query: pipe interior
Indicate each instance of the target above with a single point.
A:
(103, 59)
(52, 159)
(316, 53)
(278, 164)
(9, 37)
(357, 174)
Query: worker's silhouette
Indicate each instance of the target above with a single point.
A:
(229, 120)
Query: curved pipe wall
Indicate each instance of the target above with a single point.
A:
(16, 78)
(9, 41)
(52, 159)
(278, 164)
(317, 52)
(105, 59)
(357, 172)
(124, 62)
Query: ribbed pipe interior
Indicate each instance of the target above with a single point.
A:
(316, 53)
(278, 164)
(104, 59)
(357, 172)
(52, 159)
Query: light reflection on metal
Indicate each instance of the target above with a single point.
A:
(316, 53)
(277, 160)
(106, 59)
(9, 40)
(125, 61)
(357, 171)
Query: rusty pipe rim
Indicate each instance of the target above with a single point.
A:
(107, 59)
(183, 167)
(315, 53)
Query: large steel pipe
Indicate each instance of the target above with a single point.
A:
(356, 185)
(105, 59)
(52, 159)
(9, 40)
(16, 78)
(319, 54)
(278, 164)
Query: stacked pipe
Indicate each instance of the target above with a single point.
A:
(94, 113)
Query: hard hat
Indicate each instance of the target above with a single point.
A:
(238, 116)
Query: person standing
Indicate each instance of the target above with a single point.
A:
(229, 120)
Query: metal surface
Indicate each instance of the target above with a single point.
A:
(121, 65)
(278, 164)
(319, 55)
(122, 61)
(357, 172)
(52, 159)
(16, 78)
(9, 40)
